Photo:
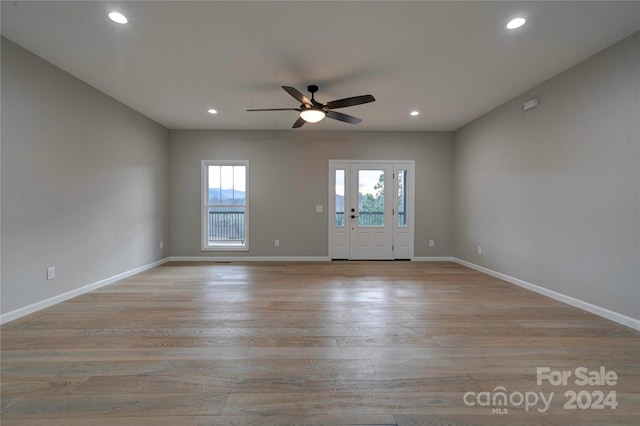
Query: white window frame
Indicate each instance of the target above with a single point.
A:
(204, 201)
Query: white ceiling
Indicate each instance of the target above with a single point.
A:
(452, 61)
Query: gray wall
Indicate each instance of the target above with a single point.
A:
(84, 182)
(552, 194)
(289, 177)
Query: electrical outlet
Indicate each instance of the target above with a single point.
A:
(432, 243)
(479, 249)
(161, 244)
(51, 272)
(319, 209)
(277, 243)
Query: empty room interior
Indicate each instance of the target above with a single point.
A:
(320, 213)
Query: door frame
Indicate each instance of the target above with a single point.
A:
(406, 234)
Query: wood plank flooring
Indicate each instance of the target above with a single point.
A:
(325, 343)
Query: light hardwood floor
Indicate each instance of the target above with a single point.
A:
(327, 343)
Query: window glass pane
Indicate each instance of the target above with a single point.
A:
(402, 198)
(339, 197)
(227, 185)
(214, 184)
(226, 177)
(370, 198)
(239, 184)
(226, 225)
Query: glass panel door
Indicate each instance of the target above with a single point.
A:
(371, 198)
(371, 230)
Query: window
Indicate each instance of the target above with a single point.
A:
(339, 193)
(225, 213)
(402, 198)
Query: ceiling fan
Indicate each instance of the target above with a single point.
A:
(312, 111)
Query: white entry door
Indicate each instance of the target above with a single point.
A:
(371, 210)
(371, 198)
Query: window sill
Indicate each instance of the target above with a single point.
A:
(225, 248)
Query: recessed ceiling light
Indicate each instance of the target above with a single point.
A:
(516, 23)
(212, 111)
(414, 113)
(118, 18)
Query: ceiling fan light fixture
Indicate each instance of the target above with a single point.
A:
(312, 115)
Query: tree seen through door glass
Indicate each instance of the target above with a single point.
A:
(370, 198)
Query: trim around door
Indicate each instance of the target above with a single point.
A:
(403, 208)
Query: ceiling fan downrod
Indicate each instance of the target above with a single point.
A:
(312, 88)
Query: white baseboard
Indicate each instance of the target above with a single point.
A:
(249, 259)
(283, 259)
(586, 306)
(20, 312)
(433, 259)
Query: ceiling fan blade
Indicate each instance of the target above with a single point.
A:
(343, 117)
(347, 102)
(275, 109)
(299, 123)
(296, 94)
